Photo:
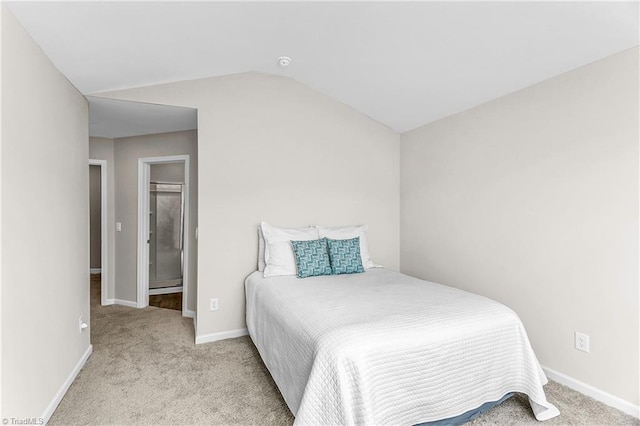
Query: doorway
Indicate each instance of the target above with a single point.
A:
(163, 217)
(98, 246)
(123, 132)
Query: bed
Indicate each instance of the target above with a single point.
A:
(381, 347)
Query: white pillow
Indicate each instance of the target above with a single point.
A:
(346, 232)
(278, 253)
(261, 263)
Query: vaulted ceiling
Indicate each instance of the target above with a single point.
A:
(403, 64)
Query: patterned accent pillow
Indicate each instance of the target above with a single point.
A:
(345, 256)
(312, 258)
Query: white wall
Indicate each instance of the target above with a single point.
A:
(127, 151)
(532, 200)
(45, 227)
(272, 149)
(102, 149)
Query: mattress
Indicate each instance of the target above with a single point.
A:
(385, 348)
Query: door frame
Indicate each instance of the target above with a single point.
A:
(144, 178)
(104, 244)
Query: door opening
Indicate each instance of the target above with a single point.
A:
(98, 221)
(166, 236)
(163, 217)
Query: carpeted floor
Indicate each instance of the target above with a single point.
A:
(145, 369)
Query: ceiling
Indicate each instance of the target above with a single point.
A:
(403, 64)
(112, 118)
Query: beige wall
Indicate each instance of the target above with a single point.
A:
(94, 217)
(532, 199)
(273, 149)
(169, 172)
(45, 226)
(127, 151)
(102, 149)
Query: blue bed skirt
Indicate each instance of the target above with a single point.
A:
(469, 415)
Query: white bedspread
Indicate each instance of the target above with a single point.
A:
(385, 348)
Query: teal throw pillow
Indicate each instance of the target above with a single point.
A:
(312, 258)
(345, 256)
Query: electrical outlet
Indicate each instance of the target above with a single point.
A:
(582, 342)
(213, 304)
(81, 324)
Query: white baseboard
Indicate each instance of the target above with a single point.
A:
(65, 386)
(189, 313)
(95, 270)
(213, 337)
(593, 392)
(128, 303)
(109, 302)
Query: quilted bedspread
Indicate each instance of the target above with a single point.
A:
(385, 348)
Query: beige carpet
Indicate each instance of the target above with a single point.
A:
(145, 369)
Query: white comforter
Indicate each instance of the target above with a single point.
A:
(385, 348)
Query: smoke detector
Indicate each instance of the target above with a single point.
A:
(284, 61)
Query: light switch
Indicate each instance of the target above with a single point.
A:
(118, 226)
